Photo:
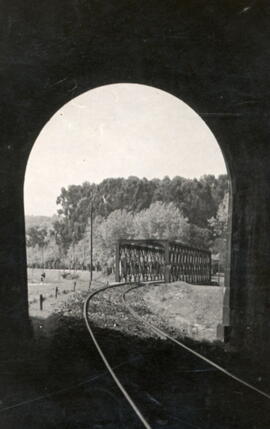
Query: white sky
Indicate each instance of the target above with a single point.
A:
(118, 130)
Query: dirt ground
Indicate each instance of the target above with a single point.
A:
(195, 310)
(53, 299)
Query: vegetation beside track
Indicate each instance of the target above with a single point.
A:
(193, 311)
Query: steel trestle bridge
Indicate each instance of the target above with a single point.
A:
(164, 260)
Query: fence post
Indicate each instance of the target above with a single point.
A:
(56, 292)
(41, 299)
(74, 286)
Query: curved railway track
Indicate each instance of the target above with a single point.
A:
(164, 406)
(182, 345)
(160, 333)
(103, 357)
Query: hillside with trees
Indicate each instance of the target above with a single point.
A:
(193, 211)
(37, 221)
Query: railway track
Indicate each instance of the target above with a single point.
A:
(103, 357)
(171, 391)
(160, 333)
(182, 345)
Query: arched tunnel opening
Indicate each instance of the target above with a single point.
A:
(129, 161)
(213, 57)
(110, 159)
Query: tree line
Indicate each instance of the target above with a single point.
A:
(193, 211)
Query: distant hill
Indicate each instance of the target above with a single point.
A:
(38, 221)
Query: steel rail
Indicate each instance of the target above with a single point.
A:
(179, 343)
(105, 361)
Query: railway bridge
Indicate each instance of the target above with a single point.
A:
(212, 55)
(161, 260)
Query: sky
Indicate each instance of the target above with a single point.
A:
(117, 130)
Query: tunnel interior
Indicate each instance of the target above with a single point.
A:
(213, 57)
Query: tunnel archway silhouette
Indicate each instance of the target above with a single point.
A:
(71, 116)
(199, 55)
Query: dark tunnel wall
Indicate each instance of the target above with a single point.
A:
(212, 55)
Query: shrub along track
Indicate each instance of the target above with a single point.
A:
(163, 335)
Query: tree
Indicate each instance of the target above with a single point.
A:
(161, 221)
(37, 237)
(119, 224)
(186, 209)
(199, 237)
(198, 200)
(80, 252)
(219, 224)
(219, 227)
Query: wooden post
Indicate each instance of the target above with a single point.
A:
(117, 261)
(210, 269)
(41, 299)
(91, 274)
(74, 286)
(56, 292)
(91, 246)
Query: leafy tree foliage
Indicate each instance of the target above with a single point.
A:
(36, 236)
(189, 210)
(119, 224)
(219, 224)
(198, 200)
(161, 221)
(219, 227)
(200, 237)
